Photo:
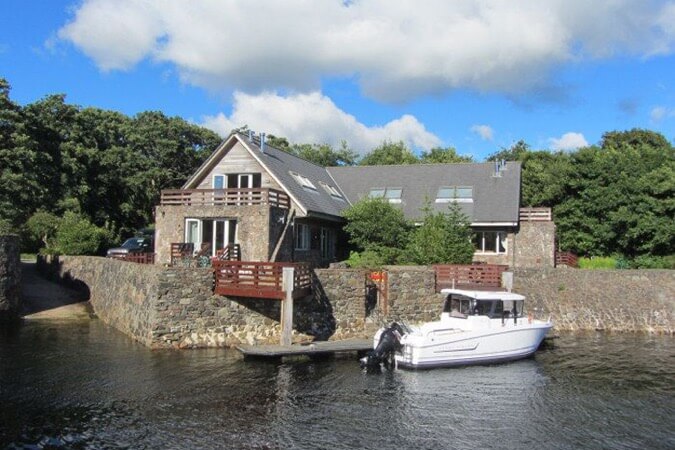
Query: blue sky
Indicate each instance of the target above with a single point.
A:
(477, 76)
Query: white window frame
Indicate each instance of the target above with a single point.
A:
(200, 232)
(302, 236)
(221, 176)
(501, 241)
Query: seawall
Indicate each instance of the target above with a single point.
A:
(173, 307)
(10, 277)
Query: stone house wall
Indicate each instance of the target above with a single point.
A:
(258, 227)
(534, 245)
(10, 277)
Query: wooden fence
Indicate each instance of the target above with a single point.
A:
(259, 279)
(138, 258)
(475, 276)
(225, 197)
(568, 259)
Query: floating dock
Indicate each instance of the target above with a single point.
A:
(317, 348)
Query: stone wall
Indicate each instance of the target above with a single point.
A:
(612, 300)
(174, 307)
(10, 277)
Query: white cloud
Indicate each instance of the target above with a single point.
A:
(484, 131)
(568, 141)
(658, 113)
(395, 49)
(314, 118)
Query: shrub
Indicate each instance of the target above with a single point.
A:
(654, 262)
(77, 236)
(375, 224)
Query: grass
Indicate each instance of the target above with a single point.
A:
(597, 262)
(28, 257)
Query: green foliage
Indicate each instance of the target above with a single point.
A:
(367, 259)
(42, 226)
(102, 164)
(598, 262)
(324, 155)
(389, 153)
(77, 236)
(373, 223)
(442, 238)
(653, 262)
(438, 155)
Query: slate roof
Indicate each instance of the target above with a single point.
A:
(496, 199)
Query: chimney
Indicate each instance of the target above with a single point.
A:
(262, 142)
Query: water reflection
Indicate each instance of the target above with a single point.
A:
(83, 385)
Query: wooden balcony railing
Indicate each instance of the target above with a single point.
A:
(225, 197)
(474, 276)
(258, 279)
(568, 259)
(231, 252)
(535, 214)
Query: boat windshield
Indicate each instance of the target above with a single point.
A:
(462, 306)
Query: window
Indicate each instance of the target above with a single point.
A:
(303, 181)
(460, 194)
(218, 181)
(331, 190)
(391, 194)
(327, 243)
(490, 242)
(302, 236)
(215, 232)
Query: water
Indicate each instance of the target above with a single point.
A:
(84, 385)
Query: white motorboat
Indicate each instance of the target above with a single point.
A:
(476, 327)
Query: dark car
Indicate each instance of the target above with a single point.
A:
(132, 245)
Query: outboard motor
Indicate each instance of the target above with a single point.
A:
(390, 343)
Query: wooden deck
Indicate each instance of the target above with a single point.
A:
(309, 349)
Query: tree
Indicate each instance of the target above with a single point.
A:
(619, 197)
(389, 153)
(514, 153)
(375, 225)
(443, 238)
(324, 155)
(42, 227)
(439, 155)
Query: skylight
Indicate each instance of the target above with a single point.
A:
(391, 194)
(303, 181)
(461, 194)
(331, 190)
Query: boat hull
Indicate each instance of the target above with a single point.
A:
(448, 347)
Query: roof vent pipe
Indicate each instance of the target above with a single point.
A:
(503, 164)
(497, 174)
(250, 135)
(262, 142)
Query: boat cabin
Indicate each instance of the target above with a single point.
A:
(495, 305)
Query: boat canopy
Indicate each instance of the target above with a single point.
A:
(485, 295)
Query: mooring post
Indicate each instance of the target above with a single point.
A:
(287, 282)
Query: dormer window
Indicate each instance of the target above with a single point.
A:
(331, 190)
(391, 194)
(303, 181)
(460, 194)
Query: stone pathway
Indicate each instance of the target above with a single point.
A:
(45, 299)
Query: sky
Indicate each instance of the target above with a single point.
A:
(474, 75)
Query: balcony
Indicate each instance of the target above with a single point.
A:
(225, 197)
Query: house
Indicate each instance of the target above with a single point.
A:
(278, 207)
